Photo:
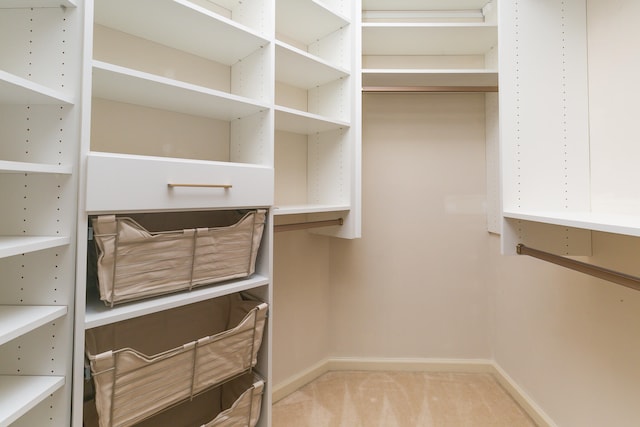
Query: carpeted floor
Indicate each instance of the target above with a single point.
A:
(400, 399)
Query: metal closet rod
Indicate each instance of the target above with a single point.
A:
(308, 224)
(623, 279)
(428, 89)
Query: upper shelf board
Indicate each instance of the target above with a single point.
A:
(97, 314)
(428, 39)
(304, 123)
(306, 21)
(16, 90)
(423, 4)
(428, 77)
(301, 69)
(181, 25)
(136, 87)
(19, 4)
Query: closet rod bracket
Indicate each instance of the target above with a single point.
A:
(623, 279)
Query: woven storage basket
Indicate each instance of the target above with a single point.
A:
(133, 382)
(134, 263)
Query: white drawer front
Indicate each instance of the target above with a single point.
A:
(121, 183)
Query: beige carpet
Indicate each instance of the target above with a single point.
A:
(400, 399)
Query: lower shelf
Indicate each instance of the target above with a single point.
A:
(16, 320)
(605, 222)
(19, 394)
(97, 314)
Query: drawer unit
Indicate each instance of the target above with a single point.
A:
(129, 183)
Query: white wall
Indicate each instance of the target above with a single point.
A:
(569, 340)
(301, 332)
(415, 285)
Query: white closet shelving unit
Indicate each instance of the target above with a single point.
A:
(545, 130)
(181, 93)
(317, 112)
(429, 43)
(40, 65)
(569, 133)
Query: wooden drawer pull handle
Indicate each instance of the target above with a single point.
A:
(225, 186)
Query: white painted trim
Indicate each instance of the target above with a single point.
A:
(303, 378)
(420, 365)
(409, 364)
(524, 400)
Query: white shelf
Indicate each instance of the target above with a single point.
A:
(306, 20)
(16, 90)
(423, 4)
(16, 245)
(428, 39)
(18, 320)
(181, 25)
(429, 77)
(19, 394)
(296, 121)
(301, 69)
(122, 84)
(608, 223)
(7, 166)
(19, 4)
(309, 209)
(97, 314)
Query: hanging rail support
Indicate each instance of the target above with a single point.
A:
(305, 225)
(590, 269)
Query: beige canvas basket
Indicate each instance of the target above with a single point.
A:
(133, 263)
(233, 404)
(245, 410)
(139, 369)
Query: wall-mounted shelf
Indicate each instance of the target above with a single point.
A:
(20, 167)
(16, 245)
(304, 70)
(307, 20)
(125, 85)
(181, 25)
(12, 4)
(19, 394)
(309, 209)
(97, 314)
(17, 90)
(429, 77)
(291, 120)
(457, 44)
(16, 320)
(605, 222)
(435, 38)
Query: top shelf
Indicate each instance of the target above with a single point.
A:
(435, 38)
(183, 26)
(306, 20)
(422, 4)
(21, 4)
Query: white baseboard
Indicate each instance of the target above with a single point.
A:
(425, 365)
(519, 395)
